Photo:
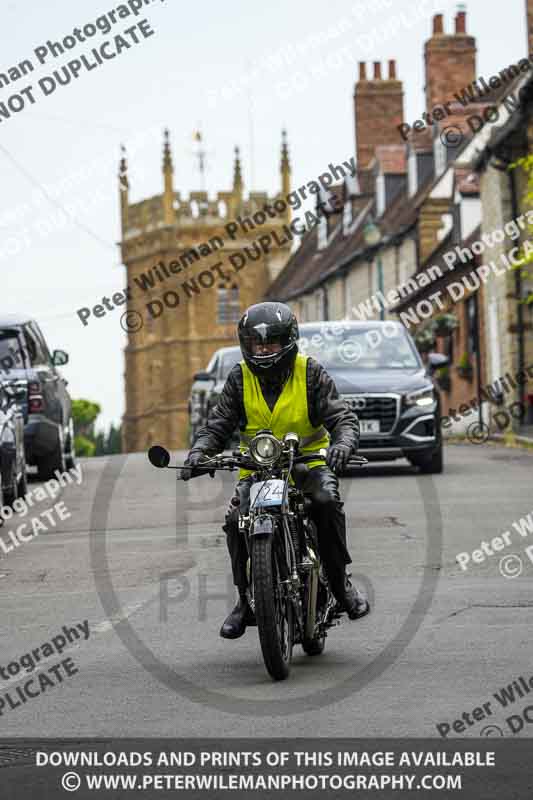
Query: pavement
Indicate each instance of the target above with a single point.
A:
(143, 560)
(526, 432)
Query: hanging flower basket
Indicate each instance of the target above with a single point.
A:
(425, 339)
(445, 324)
(464, 368)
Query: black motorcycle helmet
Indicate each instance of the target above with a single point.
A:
(266, 324)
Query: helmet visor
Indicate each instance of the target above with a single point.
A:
(265, 339)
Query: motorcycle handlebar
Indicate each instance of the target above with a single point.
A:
(242, 462)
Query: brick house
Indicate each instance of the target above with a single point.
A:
(427, 196)
(503, 199)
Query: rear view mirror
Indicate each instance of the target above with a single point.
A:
(158, 456)
(437, 360)
(202, 376)
(59, 358)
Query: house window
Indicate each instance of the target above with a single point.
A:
(228, 305)
(412, 179)
(448, 346)
(322, 233)
(439, 153)
(471, 324)
(346, 215)
(380, 194)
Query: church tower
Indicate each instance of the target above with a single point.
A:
(193, 266)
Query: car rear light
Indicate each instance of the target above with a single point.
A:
(35, 398)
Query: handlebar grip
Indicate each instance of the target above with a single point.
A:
(197, 472)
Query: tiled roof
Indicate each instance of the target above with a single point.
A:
(308, 267)
(436, 258)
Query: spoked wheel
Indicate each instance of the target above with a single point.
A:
(273, 611)
(315, 646)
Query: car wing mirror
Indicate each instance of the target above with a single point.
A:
(59, 358)
(436, 361)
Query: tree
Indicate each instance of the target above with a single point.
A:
(526, 257)
(84, 446)
(99, 441)
(86, 441)
(114, 440)
(84, 413)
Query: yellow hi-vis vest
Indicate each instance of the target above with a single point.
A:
(289, 414)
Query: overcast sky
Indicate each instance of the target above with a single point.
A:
(241, 72)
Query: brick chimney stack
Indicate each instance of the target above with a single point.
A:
(378, 104)
(450, 60)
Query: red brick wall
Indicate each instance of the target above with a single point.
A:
(450, 61)
(462, 390)
(378, 104)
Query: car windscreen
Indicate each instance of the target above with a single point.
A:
(338, 347)
(11, 356)
(228, 361)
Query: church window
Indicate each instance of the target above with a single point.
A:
(228, 304)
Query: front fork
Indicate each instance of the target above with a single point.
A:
(289, 585)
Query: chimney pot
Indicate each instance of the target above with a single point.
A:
(450, 61)
(377, 70)
(362, 71)
(438, 26)
(460, 22)
(392, 70)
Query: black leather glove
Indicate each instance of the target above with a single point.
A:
(337, 457)
(193, 460)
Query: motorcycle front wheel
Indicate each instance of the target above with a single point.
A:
(273, 611)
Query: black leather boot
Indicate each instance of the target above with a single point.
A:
(235, 624)
(355, 603)
(348, 597)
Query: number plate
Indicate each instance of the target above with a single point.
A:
(369, 425)
(266, 493)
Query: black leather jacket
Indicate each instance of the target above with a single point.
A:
(323, 402)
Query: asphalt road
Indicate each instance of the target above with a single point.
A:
(142, 558)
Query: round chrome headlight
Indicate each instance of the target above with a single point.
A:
(265, 449)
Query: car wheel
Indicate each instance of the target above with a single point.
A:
(55, 462)
(431, 464)
(11, 492)
(70, 454)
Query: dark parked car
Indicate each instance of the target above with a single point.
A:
(12, 458)
(377, 367)
(208, 384)
(48, 432)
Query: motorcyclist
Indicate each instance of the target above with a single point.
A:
(274, 387)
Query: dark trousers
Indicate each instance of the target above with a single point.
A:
(321, 485)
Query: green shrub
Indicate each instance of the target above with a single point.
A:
(84, 446)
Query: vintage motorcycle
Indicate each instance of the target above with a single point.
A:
(288, 588)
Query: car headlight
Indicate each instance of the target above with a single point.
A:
(265, 449)
(422, 397)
